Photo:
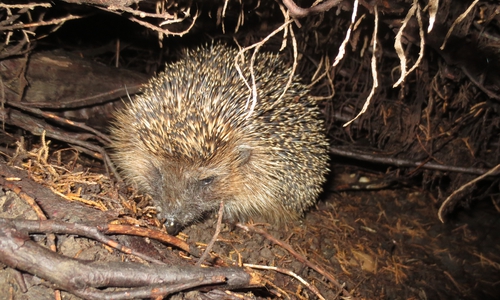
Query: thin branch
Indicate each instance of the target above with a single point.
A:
(299, 12)
(290, 273)
(451, 200)
(214, 237)
(297, 255)
(373, 67)
(377, 158)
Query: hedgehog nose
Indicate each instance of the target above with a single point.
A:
(173, 228)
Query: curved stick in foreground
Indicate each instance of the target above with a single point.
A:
(82, 278)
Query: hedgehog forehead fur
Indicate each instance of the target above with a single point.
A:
(194, 118)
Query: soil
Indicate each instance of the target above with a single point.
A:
(385, 244)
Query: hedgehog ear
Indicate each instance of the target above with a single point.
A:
(244, 154)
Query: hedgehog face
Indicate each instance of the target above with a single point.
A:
(185, 193)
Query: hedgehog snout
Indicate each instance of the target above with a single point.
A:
(173, 227)
(175, 219)
(184, 199)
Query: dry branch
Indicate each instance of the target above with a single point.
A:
(299, 12)
(301, 258)
(83, 277)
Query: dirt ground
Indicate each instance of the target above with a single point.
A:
(374, 244)
(385, 244)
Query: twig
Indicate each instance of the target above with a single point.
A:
(295, 57)
(297, 255)
(299, 12)
(35, 125)
(99, 135)
(458, 20)
(150, 233)
(403, 162)
(42, 23)
(373, 67)
(93, 232)
(87, 279)
(341, 53)
(163, 16)
(214, 237)
(453, 198)
(398, 45)
(241, 57)
(6, 182)
(17, 49)
(454, 281)
(165, 31)
(30, 6)
(290, 273)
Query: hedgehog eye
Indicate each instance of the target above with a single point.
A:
(207, 181)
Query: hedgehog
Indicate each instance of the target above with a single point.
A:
(190, 140)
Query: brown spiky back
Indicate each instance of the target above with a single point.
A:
(195, 115)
